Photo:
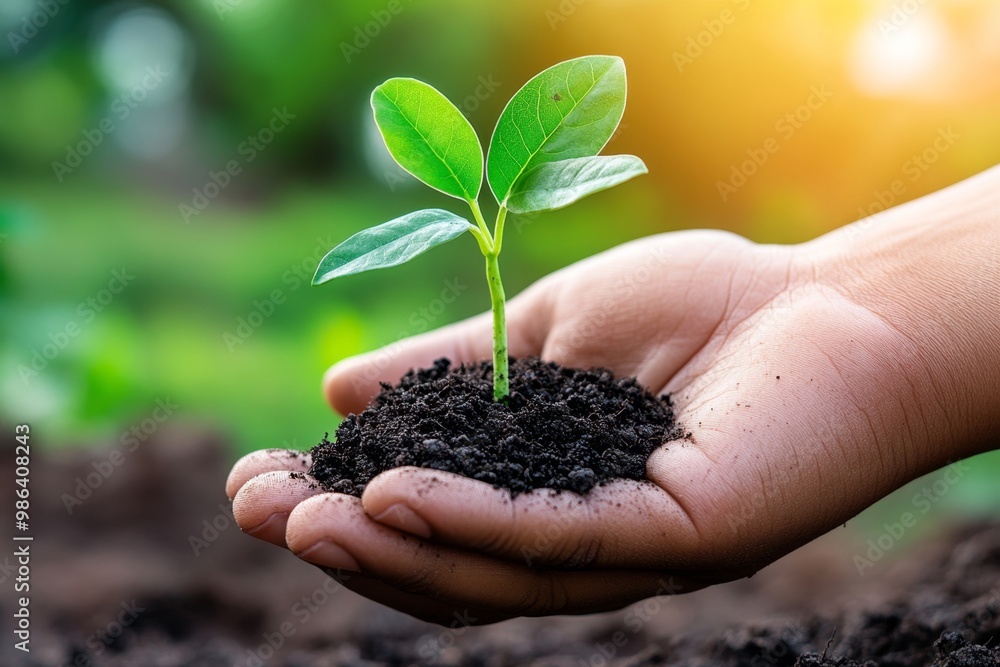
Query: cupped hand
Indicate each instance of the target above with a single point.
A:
(803, 407)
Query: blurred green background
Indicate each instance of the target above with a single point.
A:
(118, 122)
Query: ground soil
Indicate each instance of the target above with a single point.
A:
(562, 428)
(151, 570)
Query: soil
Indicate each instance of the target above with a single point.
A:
(151, 570)
(561, 428)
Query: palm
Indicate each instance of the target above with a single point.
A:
(741, 336)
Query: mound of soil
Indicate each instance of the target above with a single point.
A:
(562, 428)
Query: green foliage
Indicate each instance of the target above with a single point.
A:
(391, 243)
(429, 137)
(568, 111)
(554, 185)
(543, 156)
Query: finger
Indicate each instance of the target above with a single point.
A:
(419, 606)
(351, 384)
(623, 524)
(262, 506)
(272, 529)
(333, 530)
(265, 460)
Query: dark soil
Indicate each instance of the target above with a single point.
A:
(562, 428)
(151, 570)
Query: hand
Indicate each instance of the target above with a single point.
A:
(806, 401)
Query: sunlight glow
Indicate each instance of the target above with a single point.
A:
(897, 54)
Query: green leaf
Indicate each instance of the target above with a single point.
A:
(568, 111)
(391, 243)
(557, 184)
(429, 137)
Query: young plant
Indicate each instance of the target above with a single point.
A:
(543, 156)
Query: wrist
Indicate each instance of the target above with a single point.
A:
(930, 270)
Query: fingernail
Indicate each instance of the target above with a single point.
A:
(402, 517)
(273, 528)
(330, 555)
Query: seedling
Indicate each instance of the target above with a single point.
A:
(543, 156)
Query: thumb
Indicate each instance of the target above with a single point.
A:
(352, 383)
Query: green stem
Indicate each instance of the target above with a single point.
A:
(501, 380)
(498, 229)
(478, 215)
(484, 243)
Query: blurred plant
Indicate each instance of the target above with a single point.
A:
(543, 156)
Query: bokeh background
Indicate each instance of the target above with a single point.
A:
(118, 122)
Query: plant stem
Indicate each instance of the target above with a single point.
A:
(498, 229)
(501, 380)
(478, 215)
(490, 246)
(484, 243)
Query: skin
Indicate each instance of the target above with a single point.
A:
(814, 379)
